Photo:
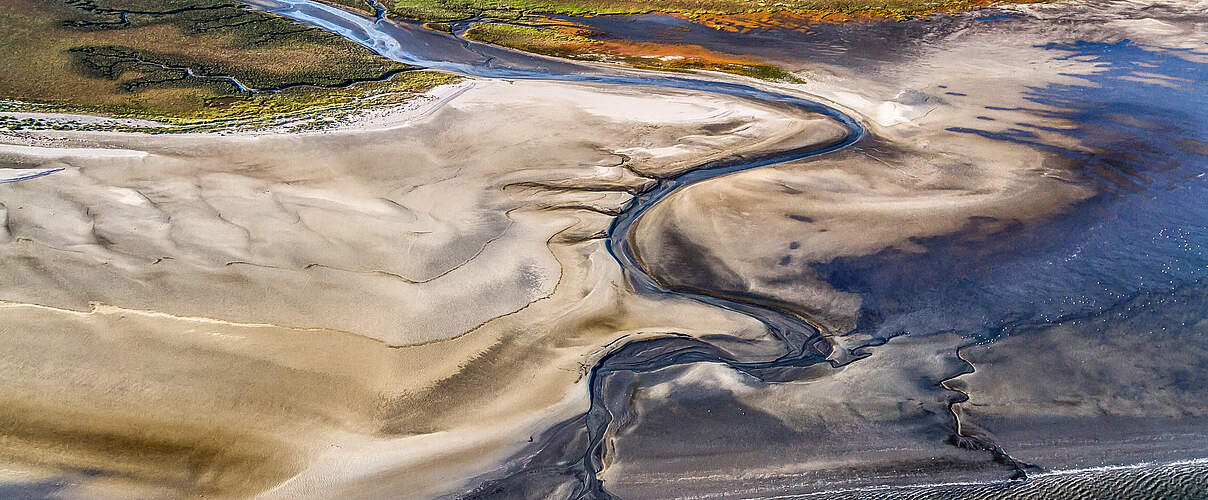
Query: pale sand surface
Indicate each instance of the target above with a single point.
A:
(368, 310)
(295, 229)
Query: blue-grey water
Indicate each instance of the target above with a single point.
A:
(1145, 231)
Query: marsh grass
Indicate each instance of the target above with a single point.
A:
(540, 40)
(85, 55)
(308, 108)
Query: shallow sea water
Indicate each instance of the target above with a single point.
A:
(1145, 116)
(1167, 482)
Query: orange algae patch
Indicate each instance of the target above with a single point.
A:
(676, 57)
(670, 52)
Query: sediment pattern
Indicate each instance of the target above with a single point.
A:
(572, 299)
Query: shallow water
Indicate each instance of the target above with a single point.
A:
(1147, 230)
(1184, 481)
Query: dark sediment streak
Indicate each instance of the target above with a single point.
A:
(971, 439)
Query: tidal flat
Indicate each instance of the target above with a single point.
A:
(959, 256)
(504, 285)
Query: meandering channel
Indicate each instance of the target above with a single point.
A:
(802, 345)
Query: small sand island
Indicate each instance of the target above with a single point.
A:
(603, 249)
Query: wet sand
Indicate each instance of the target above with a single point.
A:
(343, 303)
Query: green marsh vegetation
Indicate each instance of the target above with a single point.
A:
(530, 39)
(302, 108)
(183, 61)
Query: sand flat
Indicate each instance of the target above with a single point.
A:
(342, 289)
